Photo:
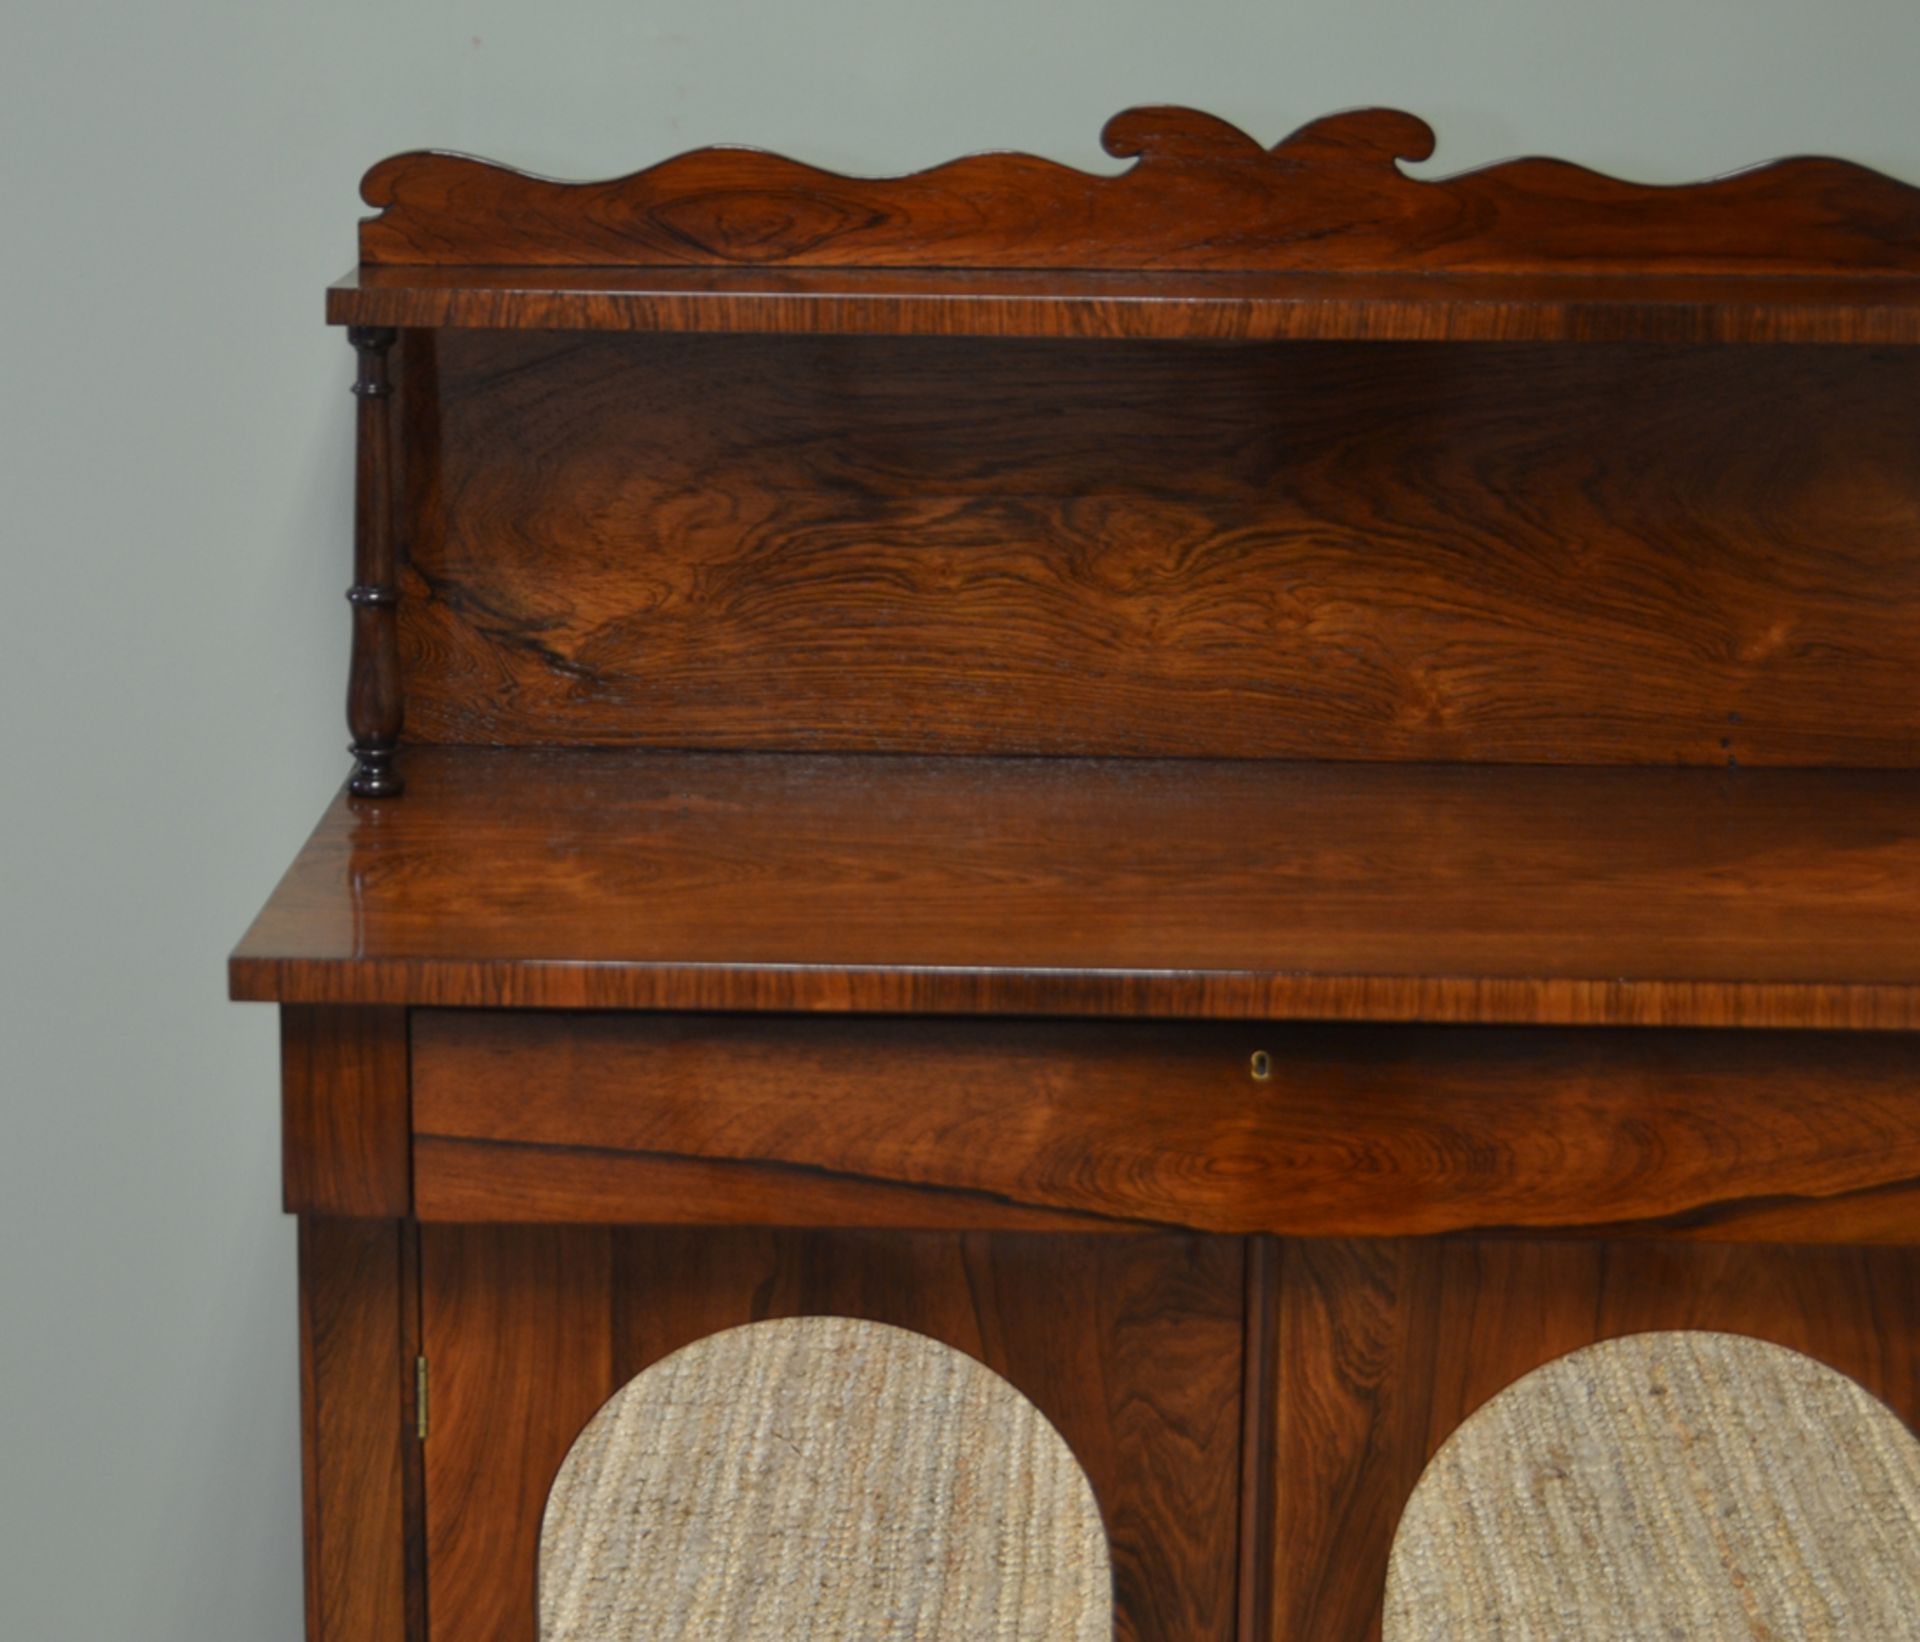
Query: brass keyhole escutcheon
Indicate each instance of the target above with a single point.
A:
(1261, 1066)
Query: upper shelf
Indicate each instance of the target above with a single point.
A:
(1207, 234)
(1245, 307)
(1162, 887)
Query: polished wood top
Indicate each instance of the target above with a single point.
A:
(1228, 307)
(603, 879)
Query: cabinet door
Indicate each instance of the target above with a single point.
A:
(1375, 1352)
(1129, 1345)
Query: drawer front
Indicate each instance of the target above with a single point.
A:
(1089, 1125)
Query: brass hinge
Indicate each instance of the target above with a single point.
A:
(420, 1398)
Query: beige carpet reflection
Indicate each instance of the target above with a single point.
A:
(822, 1478)
(1679, 1485)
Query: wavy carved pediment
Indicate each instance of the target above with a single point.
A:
(1201, 194)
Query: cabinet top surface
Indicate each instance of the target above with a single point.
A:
(1154, 887)
(1206, 232)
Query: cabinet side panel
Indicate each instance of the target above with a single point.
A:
(1494, 552)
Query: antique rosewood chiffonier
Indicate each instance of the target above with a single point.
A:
(1260, 792)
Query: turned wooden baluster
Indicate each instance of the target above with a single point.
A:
(374, 703)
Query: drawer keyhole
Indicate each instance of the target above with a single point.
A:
(1261, 1066)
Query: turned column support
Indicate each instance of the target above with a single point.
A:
(374, 704)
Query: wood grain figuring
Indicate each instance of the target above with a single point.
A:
(1624, 555)
(1201, 194)
(1134, 887)
(1358, 1131)
(1113, 305)
(345, 1129)
(517, 1328)
(355, 1374)
(469, 1180)
(1385, 1347)
(1129, 1346)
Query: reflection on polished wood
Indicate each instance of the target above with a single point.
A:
(1155, 887)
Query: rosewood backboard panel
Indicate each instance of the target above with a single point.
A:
(1613, 554)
